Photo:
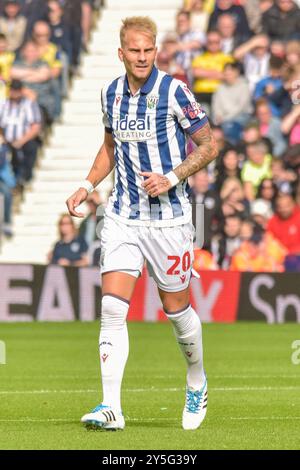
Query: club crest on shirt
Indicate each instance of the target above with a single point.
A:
(152, 101)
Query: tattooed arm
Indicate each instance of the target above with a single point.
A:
(204, 153)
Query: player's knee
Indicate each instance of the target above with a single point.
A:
(113, 311)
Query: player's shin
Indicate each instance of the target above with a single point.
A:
(114, 348)
(188, 332)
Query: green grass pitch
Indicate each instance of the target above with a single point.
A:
(52, 377)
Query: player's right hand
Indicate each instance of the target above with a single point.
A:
(75, 200)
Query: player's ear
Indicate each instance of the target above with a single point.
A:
(121, 54)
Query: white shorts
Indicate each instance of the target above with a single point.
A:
(168, 252)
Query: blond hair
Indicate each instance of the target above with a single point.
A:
(139, 23)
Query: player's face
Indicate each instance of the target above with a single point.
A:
(138, 54)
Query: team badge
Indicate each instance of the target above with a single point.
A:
(152, 101)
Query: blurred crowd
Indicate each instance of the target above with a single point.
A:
(242, 61)
(41, 42)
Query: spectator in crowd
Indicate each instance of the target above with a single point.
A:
(230, 39)
(272, 82)
(254, 13)
(34, 10)
(254, 255)
(272, 248)
(267, 191)
(277, 49)
(283, 177)
(282, 20)
(255, 56)
(227, 167)
(250, 135)
(203, 260)
(247, 229)
(285, 224)
(198, 15)
(208, 68)
(202, 194)
(7, 183)
(256, 168)
(261, 212)
(13, 25)
(61, 38)
(290, 125)
(20, 120)
(231, 103)
(218, 134)
(227, 242)
(270, 127)
(71, 249)
(238, 13)
(86, 22)
(292, 53)
(73, 15)
(36, 76)
(6, 59)
(233, 199)
(265, 5)
(166, 58)
(188, 42)
(48, 52)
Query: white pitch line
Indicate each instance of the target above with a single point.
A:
(149, 389)
(96, 377)
(150, 420)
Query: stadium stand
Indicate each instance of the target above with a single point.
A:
(225, 50)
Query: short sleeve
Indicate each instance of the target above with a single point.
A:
(105, 118)
(33, 114)
(188, 111)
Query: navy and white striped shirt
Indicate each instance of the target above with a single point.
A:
(149, 131)
(16, 118)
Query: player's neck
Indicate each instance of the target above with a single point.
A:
(135, 84)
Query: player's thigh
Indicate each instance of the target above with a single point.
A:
(174, 302)
(121, 260)
(169, 254)
(119, 284)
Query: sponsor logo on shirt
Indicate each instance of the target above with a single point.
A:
(192, 110)
(128, 129)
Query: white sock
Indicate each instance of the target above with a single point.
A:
(188, 332)
(114, 348)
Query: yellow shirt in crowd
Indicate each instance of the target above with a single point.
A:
(6, 61)
(254, 174)
(51, 56)
(209, 61)
(208, 5)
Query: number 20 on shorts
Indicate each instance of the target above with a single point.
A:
(184, 262)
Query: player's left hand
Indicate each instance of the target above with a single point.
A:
(155, 184)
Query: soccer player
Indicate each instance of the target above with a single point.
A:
(147, 114)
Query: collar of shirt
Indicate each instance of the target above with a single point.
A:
(146, 88)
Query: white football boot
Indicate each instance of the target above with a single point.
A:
(195, 407)
(104, 417)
